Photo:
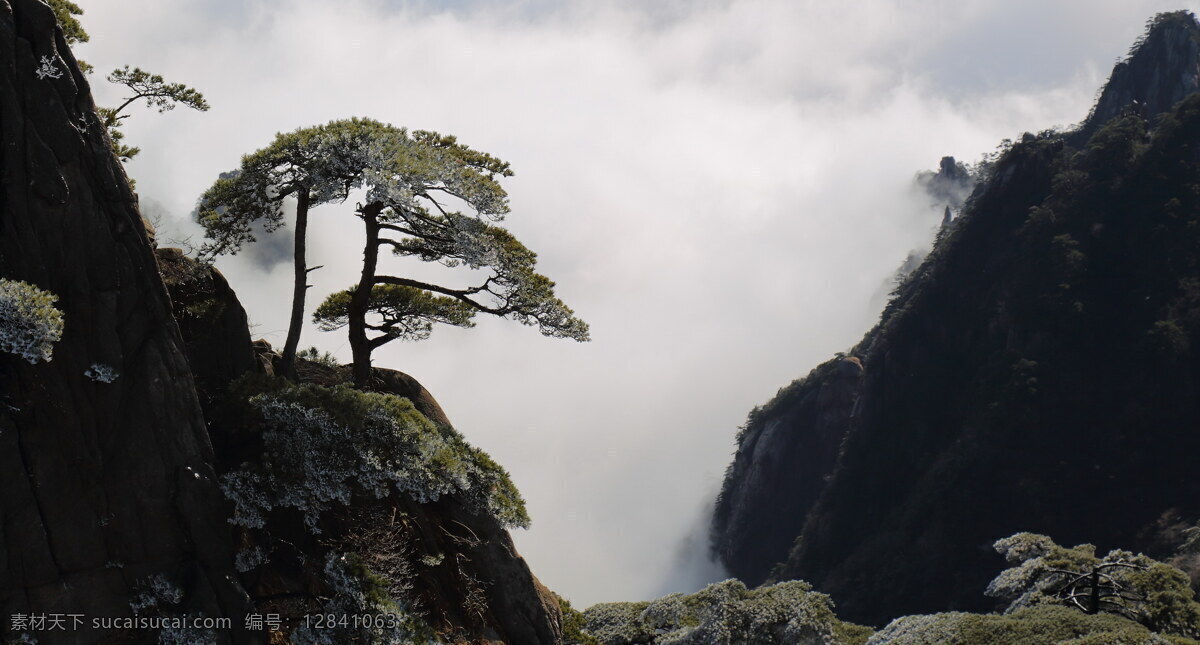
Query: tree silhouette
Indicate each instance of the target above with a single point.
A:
(317, 165)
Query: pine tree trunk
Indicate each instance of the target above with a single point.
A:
(361, 300)
(1094, 595)
(287, 366)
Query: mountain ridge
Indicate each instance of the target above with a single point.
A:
(1025, 323)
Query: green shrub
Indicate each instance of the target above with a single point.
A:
(573, 624)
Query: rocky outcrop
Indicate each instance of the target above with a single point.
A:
(458, 568)
(401, 384)
(105, 483)
(211, 320)
(110, 452)
(1038, 372)
(949, 187)
(480, 587)
(1163, 67)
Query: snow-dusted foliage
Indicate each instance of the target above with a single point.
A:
(250, 558)
(405, 167)
(186, 636)
(1032, 579)
(1043, 567)
(322, 446)
(618, 623)
(1131, 585)
(359, 610)
(29, 322)
(919, 630)
(154, 592)
(47, 69)
(788, 613)
(101, 373)
(158, 599)
(1040, 625)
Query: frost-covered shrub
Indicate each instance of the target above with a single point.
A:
(618, 623)
(29, 322)
(251, 558)
(919, 630)
(1034, 579)
(153, 593)
(788, 613)
(186, 636)
(324, 445)
(101, 373)
(360, 610)
(156, 596)
(1029, 626)
(1152, 592)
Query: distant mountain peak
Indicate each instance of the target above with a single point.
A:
(1162, 68)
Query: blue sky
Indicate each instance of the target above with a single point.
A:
(720, 188)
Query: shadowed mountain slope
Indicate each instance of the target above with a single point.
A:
(105, 465)
(1036, 373)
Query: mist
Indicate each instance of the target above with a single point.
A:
(718, 188)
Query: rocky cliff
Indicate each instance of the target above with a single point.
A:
(779, 472)
(456, 566)
(1162, 68)
(127, 414)
(1037, 372)
(105, 465)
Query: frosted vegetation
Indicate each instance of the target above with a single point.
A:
(154, 593)
(725, 612)
(327, 450)
(375, 617)
(1148, 602)
(101, 373)
(1154, 594)
(1042, 625)
(30, 324)
(324, 446)
(1155, 607)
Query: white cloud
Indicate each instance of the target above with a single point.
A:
(717, 187)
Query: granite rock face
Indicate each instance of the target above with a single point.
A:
(1163, 68)
(105, 485)
(1038, 372)
(211, 320)
(784, 461)
(460, 567)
